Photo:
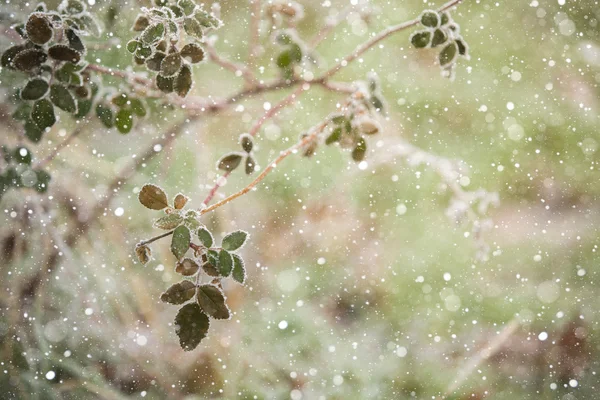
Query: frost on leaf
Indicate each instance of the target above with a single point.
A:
(234, 240)
(229, 162)
(187, 267)
(179, 293)
(205, 237)
(212, 301)
(180, 242)
(239, 269)
(143, 253)
(225, 263)
(169, 221)
(191, 325)
(153, 197)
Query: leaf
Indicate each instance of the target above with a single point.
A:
(445, 18)
(105, 115)
(124, 120)
(132, 46)
(210, 269)
(180, 201)
(180, 243)
(32, 131)
(43, 178)
(463, 48)
(360, 150)
(120, 100)
(230, 161)
(9, 55)
(213, 257)
(234, 240)
(72, 6)
(61, 52)
(205, 237)
(225, 263)
(368, 126)
(187, 267)
(187, 6)
(448, 54)
(153, 197)
(335, 136)
(75, 41)
(35, 89)
(191, 325)
(169, 221)
(212, 301)
(170, 65)
(141, 23)
(83, 108)
(23, 112)
(183, 81)
(430, 18)
(90, 24)
(250, 164)
(43, 114)
(165, 84)
(193, 53)
(143, 253)
(62, 98)
(153, 63)
(246, 142)
(192, 27)
(439, 37)
(179, 293)
(420, 39)
(38, 29)
(239, 269)
(22, 155)
(153, 33)
(29, 59)
(207, 20)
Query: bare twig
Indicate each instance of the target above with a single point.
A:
(253, 43)
(236, 68)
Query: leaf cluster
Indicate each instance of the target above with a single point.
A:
(16, 171)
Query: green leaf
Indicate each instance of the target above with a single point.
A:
(23, 112)
(60, 52)
(420, 39)
(234, 240)
(137, 106)
(43, 114)
(120, 100)
(179, 293)
(177, 11)
(32, 131)
(153, 197)
(43, 178)
(250, 164)
(180, 243)
(360, 150)
(84, 106)
(132, 46)
(62, 98)
(124, 120)
(38, 28)
(212, 301)
(75, 41)
(335, 136)
(230, 161)
(105, 115)
(213, 257)
(183, 81)
(187, 6)
(187, 267)
(170, 65)
(191, 325)
(192, 27)
(239, 269)
(225, 263)
(90, 24)
(29, 59)
(463, 48)
(205, 237)
(445, 18)
(72, 6)
(143, 253)
(193, 53)
(22, 155)
(439, 37)
(448, 54)
(207, 20)
(430, 18)
(35, 89)
(153, 33)
(169, 221)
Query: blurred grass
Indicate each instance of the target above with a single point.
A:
(329, 254)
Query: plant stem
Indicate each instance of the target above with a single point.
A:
(155, 238)
(231, 66)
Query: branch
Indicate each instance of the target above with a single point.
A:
(329, 26)
(254, 31)
(78, 130)
(305, 140)
(376, 39)
(236, 68)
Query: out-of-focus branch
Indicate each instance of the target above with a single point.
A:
(76, 132)
(253, 43)
(330, 25)
(236, 68)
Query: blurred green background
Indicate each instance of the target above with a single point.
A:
(360, 283)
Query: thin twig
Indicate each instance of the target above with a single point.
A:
(329, 26)
(376, 39)
(253, 43)
(236, 68)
